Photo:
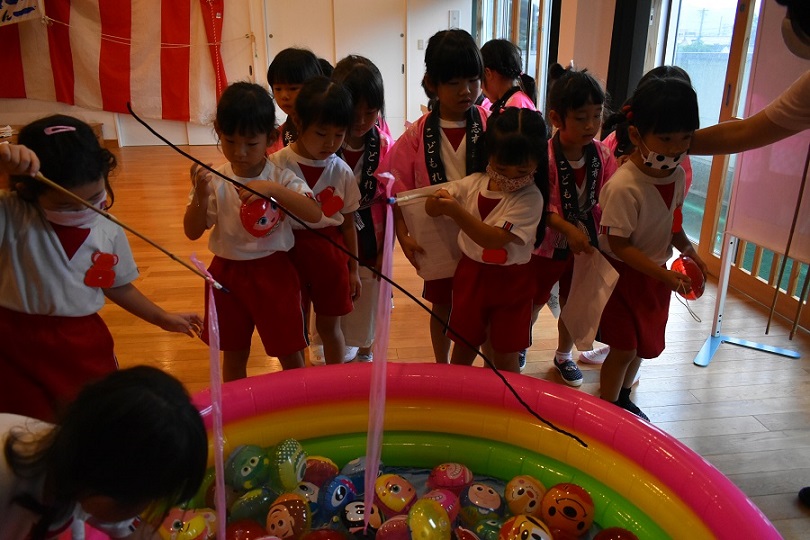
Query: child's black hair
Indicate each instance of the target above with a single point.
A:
(799, 13)
(246, 109)
(515, 136)
(133, 436)
(322, 101)
(662, 105)
(363, 79)
(451, 54)
(571, 89)
(69, 154)
(616, 121)
(326, 67)
(293, 66)
(503, 56)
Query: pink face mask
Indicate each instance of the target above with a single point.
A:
(510, 184)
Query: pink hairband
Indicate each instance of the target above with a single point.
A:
(58, 129)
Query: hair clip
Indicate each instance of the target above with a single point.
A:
(51, 130)
(628, 112)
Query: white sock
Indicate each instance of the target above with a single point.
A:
(560, 357)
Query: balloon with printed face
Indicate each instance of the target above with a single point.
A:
(480, 502)
(447, 499)
(615, 533)
(335, 495)
(523, 494)
(288, 517)
(252, 505)
(287, 464)
(452, 476)
(310, 492)
(393, 494)
(524, 527)
(686, 265)
(427, 520)
(319, 469)
(395, 528)
(325, 534)
(569, 508)
(356, 471)
(185, 524)
(353, 518)
(248, 467)
(259, 217)
(461, 533)
(245, 529)
(488, 529)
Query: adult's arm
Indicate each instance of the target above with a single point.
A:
(738, 135)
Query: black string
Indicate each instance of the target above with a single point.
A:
(379, 274)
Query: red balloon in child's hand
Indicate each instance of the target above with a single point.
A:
(687, 266)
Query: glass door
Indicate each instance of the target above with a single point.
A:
(699, 40)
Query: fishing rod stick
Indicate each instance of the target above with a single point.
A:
(50, 183)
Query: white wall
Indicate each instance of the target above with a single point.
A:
(425, 18)
(585, 33)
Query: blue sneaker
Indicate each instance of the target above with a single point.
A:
(522, 360)
(569, 372)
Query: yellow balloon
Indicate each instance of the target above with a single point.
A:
(428, 520)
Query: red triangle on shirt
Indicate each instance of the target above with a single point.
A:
(71, 238)
(311, 174)
(667, 192)
(455, 135)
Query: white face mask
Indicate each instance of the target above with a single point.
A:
(660, 162)
(84, 218)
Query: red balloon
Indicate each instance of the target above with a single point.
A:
(687, 266)
(324, 534)
(615, 533)
(244, 529)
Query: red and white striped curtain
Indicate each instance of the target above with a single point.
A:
(162, 57)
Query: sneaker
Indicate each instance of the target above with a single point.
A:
(350, 353)
(316, 357)
(522, 360)
(569, 372)
(594, 356)
(633, 408)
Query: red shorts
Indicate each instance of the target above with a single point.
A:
(547, 272)
(323, 270)
(438, 291)
(635, 317)
(495, 297)
(263, 293)
(45, 360)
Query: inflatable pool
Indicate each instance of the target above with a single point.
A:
(639, 477)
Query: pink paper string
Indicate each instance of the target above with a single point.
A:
(216, 404)
(376, 403)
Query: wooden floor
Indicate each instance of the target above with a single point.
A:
(748, 413)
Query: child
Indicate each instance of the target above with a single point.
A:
(129, 441)
(498, 213)
(287, 72)
(641, 206)
(329, 278)
(60, 261)
(505, 84)
(444, 145)
(251, 262)
(578, 168)
(615, 138)
(365, 150)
